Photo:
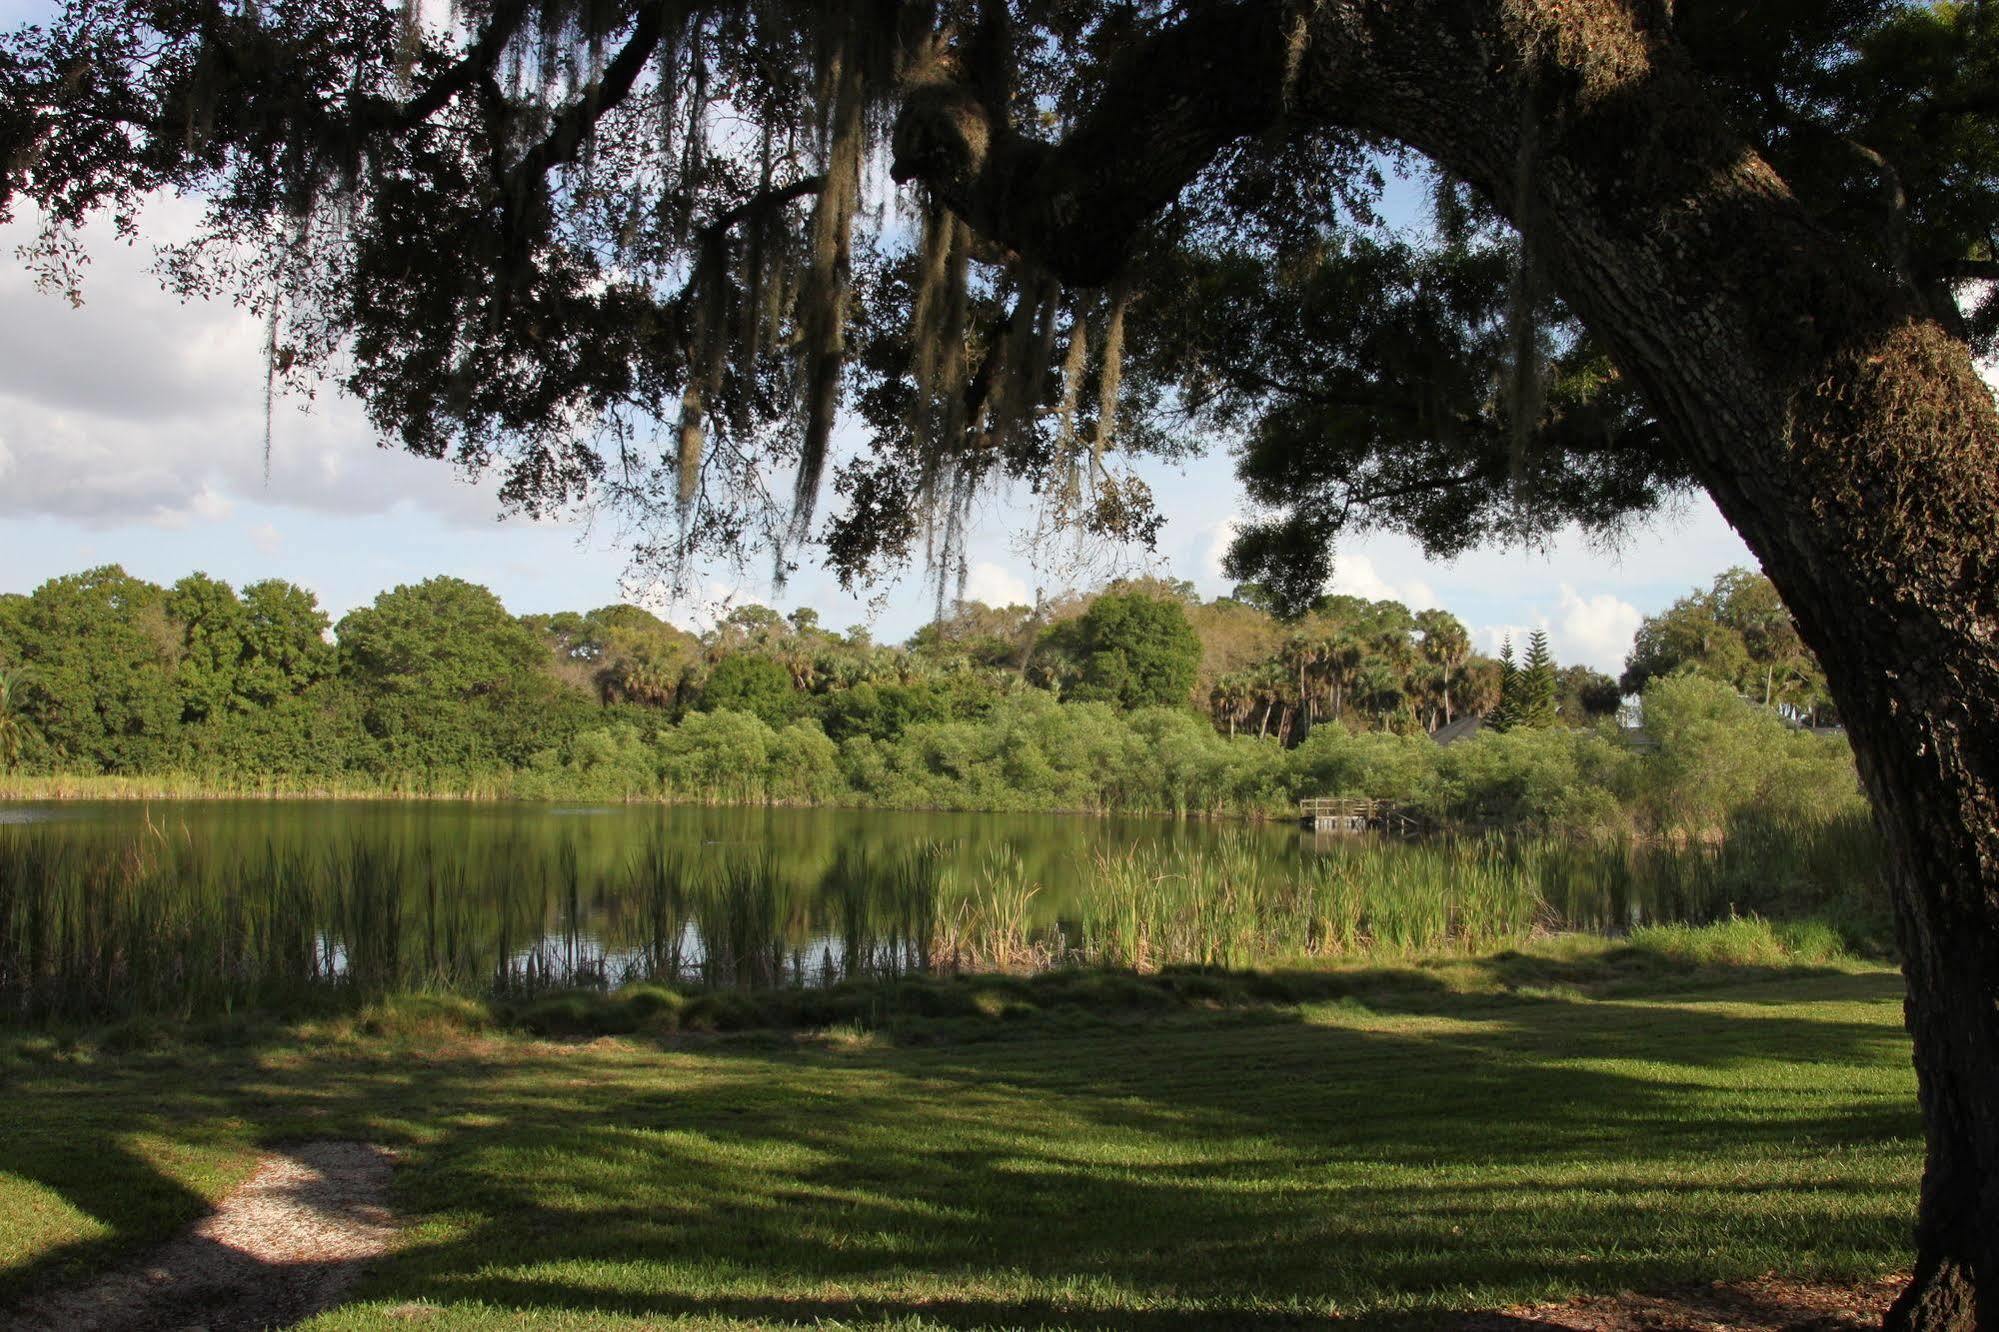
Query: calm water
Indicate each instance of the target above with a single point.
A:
(103, 897)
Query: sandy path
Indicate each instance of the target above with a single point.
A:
(280, 1248)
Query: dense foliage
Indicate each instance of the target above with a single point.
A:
(1089, 703)
(1738, 631)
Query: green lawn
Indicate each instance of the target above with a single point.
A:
(1439, 1136)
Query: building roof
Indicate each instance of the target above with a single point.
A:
(1461, 729)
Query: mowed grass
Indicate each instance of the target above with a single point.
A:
(1463, 1134)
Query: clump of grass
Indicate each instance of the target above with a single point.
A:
(1230, 906)
(988, 924)
(1741, 941)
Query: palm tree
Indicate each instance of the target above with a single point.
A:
(1266, 691)
(1341, 658)
(1378, 689)
(1446, 647)
(1301, 654)
(1231, 700)
(647, 678)
(799, 659)
(11, 727)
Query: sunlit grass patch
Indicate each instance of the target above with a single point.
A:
(1192, 1148)
(1742, 941)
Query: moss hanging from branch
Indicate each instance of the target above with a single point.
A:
(1111, 375)
(1526, 380)
(822, 315)
(1075, 365)
(706, 362)
(927, 314)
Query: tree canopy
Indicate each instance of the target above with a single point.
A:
(676, 258)
(1136, 651)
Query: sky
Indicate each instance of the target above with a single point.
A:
(132, 431)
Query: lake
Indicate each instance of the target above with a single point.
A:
(106, 906)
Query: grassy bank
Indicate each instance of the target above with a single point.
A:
(1382, 1141)
(195, 786)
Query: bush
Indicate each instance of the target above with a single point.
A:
(756, 685)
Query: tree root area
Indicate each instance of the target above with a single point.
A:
(1763, 1304)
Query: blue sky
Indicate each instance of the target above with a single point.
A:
(132, 432)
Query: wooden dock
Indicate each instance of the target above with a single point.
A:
(1355, 814)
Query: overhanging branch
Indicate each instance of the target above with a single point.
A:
(574, 123)
(1077, 206)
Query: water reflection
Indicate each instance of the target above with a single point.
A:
(219, 904)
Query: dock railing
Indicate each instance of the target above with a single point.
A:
(1355, 814)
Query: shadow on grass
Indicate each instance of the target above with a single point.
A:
(1404, 1150)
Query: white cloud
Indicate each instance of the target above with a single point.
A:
(138, 407)
(206, 505)
(266, 538)
(1220, 537)
(1591, 631)
(1356, 576)
(997, 586)
(1596, 631)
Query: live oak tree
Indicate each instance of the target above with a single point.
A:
(1584, 696)
(97, 679)
(445, 677)
(627, 250)
(1134, 650)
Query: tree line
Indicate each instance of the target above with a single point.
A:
(1140, 696)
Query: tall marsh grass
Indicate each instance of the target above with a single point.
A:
(169, 922)
(1227, 908)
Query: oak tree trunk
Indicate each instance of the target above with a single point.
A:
(1839, 427)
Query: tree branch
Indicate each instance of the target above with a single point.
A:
(762, 201)
(1470, 476)
(1076, 207)
(466, 73)
(573, 125)
(1970, 270)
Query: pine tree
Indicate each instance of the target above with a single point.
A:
(1535, 685)
(1504, 717)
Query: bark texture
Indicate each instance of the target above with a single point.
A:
(1837, 425)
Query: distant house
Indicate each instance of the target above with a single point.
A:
(1465, 727)
(1638, 738)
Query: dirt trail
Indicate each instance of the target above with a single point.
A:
(280, 1248)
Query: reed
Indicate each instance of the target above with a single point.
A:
(989, 923)
(173, 923)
